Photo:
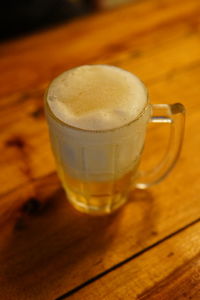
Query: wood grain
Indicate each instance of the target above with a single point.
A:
(169, 271)
(47, 248)
(27, 108)
(39, 58)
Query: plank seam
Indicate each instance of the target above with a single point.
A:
(120, 264)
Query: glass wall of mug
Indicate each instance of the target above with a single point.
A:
(98, 168)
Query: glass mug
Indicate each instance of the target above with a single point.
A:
(99, 168)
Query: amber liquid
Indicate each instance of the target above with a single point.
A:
(97, 197)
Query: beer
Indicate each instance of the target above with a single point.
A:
(97, 117)
(98, 196)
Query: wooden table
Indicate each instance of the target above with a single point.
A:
(149, 249)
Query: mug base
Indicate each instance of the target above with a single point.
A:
(96, 205)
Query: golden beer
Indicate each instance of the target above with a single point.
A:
(98, 196)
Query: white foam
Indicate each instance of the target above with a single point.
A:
(97, 97)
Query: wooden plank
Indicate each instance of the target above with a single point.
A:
(26, 151)
(22, 144)
(25, 143)
(169, 271)
(56, 230)
(47, 248)
(33, 61)
(42, 237)
(139, 59)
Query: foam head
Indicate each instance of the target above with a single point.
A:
(96, 97)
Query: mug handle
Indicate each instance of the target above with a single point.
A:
(174, 114)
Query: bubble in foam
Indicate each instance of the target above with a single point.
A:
(97, 97)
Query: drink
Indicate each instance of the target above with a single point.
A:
(97, 117)
(99, 196)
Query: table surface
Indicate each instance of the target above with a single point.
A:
(150, 248)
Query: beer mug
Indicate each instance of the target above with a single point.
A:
(99, 166)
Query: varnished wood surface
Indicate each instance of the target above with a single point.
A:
(48, 250)
(149, 278)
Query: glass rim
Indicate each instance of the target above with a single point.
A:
(62, 123)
